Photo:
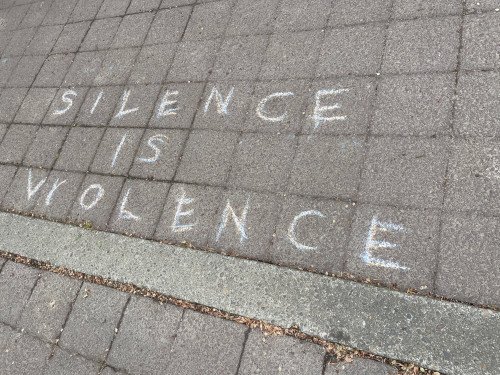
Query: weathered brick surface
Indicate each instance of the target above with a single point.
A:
(299, 106)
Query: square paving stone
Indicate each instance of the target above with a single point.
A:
(139, 6)
(423, 45)
(404, 171)
(280, 354)
(84, 69)
(16, 142)
(189, 215)
(141, 97)
(15, 16)
(54, 70)
(116, 67)
(292, 55)
(414, 105)
(253, 17)
(16, 284)
(351, 12)
(65, 106)
(133, 30)
(24, 355)
(101, 34)
(59, 12)
(35, 105)
(468, 262)
(26, 70)
(312, 234)
(423, 8)
(342, 106)
(478, 103)
(327, 166)
(206, 158)
(275, 107)
(113, 8)
(245, 224)
(19, 40)
(10, 100)
(58, 194)
(85, 10)
(79, 149)
(207, 343)
(25, 189)
(262, 162)
(35, 14)
(224, 106)
(99, 105)
(139, 208)
(193, 60)
(91, 325)
(152, 64)
(473, 182)
(240, 58)
(144, 341)
(299, 15)
(359, 366)
(351, 50)
(208, 21)
(7, 173)
(168, 25)
(63, 362)
(43, 40)
(158, 154)
(481, 41)
(96, 200)
(45, 146)
(117, 151)
(49, 305)
(71, 37)
(176, 106)
(394, 247)
(7, 65)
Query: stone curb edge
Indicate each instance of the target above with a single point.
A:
(449, 337)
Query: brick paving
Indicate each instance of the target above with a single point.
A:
(53, 324)
(329, 136)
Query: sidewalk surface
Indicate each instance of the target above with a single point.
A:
(350, 138)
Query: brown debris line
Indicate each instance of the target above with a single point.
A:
(185, 244)
(335, 352)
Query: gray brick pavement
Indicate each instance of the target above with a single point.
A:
(106, 328)
(392, 106)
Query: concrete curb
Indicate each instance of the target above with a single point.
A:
(444, 336)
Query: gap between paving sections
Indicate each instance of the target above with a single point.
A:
(449, 337)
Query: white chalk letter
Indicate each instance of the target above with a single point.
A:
(118, 150)
(65, 99)
(318, 109)
(99, 195)
(176, 227)
(221, 103)
(372, 244)
(32, 191)
(261, 112)
(165, 102)
(291, 229)
(124, 213)
(238, 221)
(154, 138)
(96, 102)
(51, 192)
(122, 112)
